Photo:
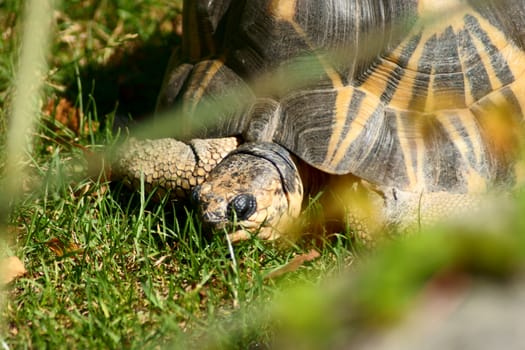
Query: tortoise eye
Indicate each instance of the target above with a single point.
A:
(243, 205)
(194, 195)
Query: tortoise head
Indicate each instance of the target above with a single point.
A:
(253, 190)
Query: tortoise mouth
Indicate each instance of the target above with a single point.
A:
(217, 221)
(213, 220)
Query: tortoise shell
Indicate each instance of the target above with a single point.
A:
(420, 95)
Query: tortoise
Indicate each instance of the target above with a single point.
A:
(417, 104)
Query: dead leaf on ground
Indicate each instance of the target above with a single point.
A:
(294, 264)
(68, 115)
(11, 268)
(62, 248)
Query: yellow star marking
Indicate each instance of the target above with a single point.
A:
(283, 9)
(365, 112)
(411, 141)
(469, 124)
(198, 93)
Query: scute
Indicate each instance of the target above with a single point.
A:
(396, 96)
(265, 35)
(420, 117)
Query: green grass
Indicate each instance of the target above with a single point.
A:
(110, 269)
(107, 269)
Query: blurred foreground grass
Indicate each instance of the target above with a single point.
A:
(108, 269)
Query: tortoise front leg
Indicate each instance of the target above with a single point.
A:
(168, 165)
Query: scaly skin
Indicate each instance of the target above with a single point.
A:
(168, 165)
(265, 174)
(409, 212)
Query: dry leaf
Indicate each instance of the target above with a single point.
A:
(60, 248)
(11, 268)
(294, 264)
(68, 115)
(63, 112)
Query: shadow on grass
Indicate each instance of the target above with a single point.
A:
(128, 83)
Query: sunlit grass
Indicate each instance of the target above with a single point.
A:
(106, 268)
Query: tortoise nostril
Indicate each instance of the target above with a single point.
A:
(242, 205)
